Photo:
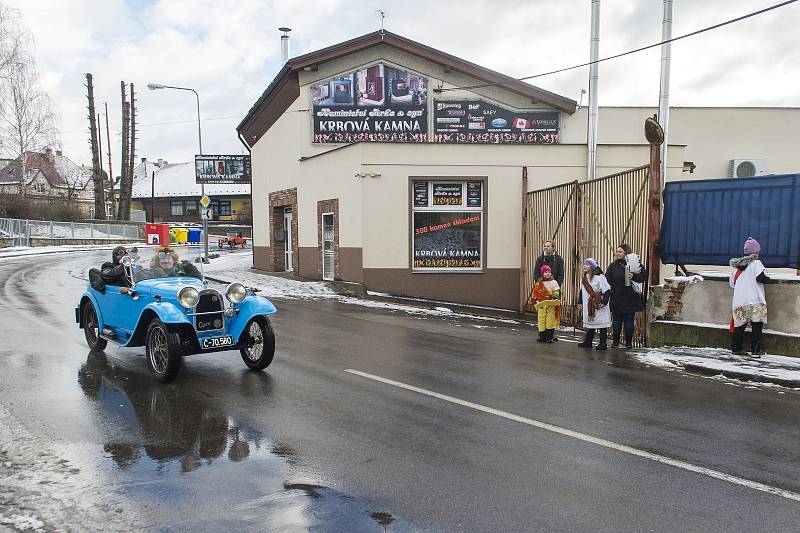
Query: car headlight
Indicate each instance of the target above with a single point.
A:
(235, 293)
(188, 297)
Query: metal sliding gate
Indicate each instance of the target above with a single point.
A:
(588, 219)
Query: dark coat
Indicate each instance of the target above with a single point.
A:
(556, 264)
(114, 275)
(623, 298)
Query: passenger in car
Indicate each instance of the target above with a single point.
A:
(166, 264)
(113, 272)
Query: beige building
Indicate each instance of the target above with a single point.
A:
(382, 161)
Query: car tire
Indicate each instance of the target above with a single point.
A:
(259, 341)
(91, 328)
(161, 347)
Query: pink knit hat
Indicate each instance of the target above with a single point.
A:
(545, 268)
(751, 246)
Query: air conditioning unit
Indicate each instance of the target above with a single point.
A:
(746, 168)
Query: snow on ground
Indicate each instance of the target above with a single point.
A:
(235, 266)
(775, 367)
(16, 251)
(22, 522)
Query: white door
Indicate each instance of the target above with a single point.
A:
(327, 246)
(287, 242)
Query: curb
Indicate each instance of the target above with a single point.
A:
(735, 374)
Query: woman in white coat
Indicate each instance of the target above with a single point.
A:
(595, 294)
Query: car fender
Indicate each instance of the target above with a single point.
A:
(250, 307)
(91, 296)
(167, 312)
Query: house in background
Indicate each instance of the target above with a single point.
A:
(177, 195)
(48, 177)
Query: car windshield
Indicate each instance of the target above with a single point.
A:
(149, 262)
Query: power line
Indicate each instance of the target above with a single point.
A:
(629, 52)
(167, 123)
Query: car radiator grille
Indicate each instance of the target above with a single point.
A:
(210, 302)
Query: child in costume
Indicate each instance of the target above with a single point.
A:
(595, 294)
(547, 295)
(749, 301)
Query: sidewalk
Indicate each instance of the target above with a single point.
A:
(774, 369)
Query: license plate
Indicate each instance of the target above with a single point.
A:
(217, 342)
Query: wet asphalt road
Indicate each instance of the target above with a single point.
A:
(89, 441)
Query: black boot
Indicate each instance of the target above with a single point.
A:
(587, 340)
(542, 336)
(549, 334)
(756, 350)
(736, 340)
(602, 344)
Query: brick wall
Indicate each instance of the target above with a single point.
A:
(328, 206)
(278, 202)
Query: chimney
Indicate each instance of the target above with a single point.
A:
(59, 153)
(144, 160)
(284, 44)
(49, 153)
(161, 162)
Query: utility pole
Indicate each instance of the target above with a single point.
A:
(121, 208)
(97, 177)
(110, 170)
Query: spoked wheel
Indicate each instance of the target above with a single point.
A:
(259, 344)
(162, 352)
(91, 328)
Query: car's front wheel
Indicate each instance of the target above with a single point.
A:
(259, 343)
(91, 328)
(162, 352)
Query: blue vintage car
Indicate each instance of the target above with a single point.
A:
(162, 302)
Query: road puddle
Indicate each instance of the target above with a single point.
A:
(172, 453)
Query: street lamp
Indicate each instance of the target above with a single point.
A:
(156, 86)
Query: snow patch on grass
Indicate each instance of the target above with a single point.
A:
(22, 522)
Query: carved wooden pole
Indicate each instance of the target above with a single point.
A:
(655, 136)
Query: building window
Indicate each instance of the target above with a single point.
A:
(39, 188)
(447, 225)
(221, 207)
(190, 207)
(176, 208)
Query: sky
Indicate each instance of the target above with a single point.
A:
(229, 52)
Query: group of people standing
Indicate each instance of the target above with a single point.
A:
(609, 300)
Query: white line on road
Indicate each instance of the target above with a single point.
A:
(588, 438)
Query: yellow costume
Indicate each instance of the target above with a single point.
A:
(547, 295)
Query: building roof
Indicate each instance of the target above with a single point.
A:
(177, 180)
(286, 85)
(59, 172)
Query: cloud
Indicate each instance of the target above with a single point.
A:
(230, 51)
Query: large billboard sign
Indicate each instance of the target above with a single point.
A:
(222, 168)
(375, 104)
(480, 122)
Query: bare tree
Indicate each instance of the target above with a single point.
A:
(97, 176)
(28, 117)
(13, 39)
(124, 205)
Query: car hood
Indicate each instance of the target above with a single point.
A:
(168, 285)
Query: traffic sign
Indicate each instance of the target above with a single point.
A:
(205, 201)
(206, 213)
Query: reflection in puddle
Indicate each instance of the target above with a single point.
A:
(163, 441)
(172, 431)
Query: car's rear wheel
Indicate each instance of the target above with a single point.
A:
(162, 352)
(259, 343)
(91, 328)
